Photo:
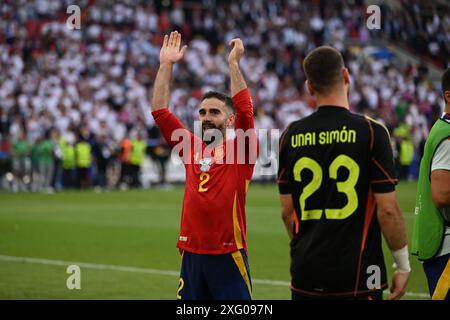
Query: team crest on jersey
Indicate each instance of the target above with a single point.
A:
(205, 164)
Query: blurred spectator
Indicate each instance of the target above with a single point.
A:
(66, 144)
(159, 152)
(138, 152)
(102, 152)
(83, 161)
(405, 150)
(21, 163)
(45, 163)
(5, 161)
(57, 177)
(125, 170)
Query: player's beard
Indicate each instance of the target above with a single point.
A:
(213, 134)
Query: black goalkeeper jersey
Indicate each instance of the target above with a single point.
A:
(332, 162)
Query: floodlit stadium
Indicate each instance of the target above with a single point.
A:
(87, 178)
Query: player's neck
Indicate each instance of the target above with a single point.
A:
(332, 101)
(335, 97)
(447, 108)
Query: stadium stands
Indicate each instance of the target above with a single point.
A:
(66, 86)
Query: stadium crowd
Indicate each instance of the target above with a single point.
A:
(74, 106)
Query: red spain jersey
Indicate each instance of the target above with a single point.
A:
(213, 217)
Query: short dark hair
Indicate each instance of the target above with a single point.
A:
(323, 68)
(445, 81)
(220, 96)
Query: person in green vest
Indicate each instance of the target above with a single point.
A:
(138, 150)
(21, 163)
(83, 160)
(66, 144)
(431, 236)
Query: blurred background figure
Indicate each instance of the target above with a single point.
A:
(137, 156)
(46, 162)
(83, 160)
(160, 153)
(124, 157)
(405, 151)
(66, 144)
(57, 177)
(6, 176)
(42, 164)
(21, 149)
(102, 152)
(264, 124)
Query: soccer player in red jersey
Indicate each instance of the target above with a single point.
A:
(213, 224)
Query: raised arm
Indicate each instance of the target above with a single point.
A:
(237, 80)
(169, 55)
(171, 127)
(243, 104)
(241, 96)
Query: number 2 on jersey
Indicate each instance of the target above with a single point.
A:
(347, 187)
(204, 178)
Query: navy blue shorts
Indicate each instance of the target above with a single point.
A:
(438, 276)
(215, 277)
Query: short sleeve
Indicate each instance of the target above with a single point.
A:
(382, 169)
(441, 158)
(283, 181)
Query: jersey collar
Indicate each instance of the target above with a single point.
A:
(446, 117)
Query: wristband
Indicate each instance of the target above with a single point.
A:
(401, 259)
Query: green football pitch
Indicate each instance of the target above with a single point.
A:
(124, 244)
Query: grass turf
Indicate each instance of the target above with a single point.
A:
(137, 229)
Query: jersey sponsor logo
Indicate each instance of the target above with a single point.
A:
(183, 238)
(205, 164)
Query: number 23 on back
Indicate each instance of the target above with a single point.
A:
(347, 187)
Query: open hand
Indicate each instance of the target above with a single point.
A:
(237, 52)
(170, 50)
